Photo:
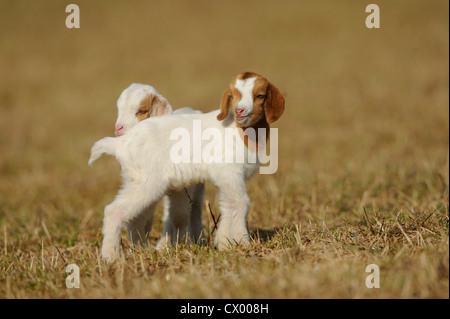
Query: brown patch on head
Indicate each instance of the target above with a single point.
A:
(274, 104)
(247, 75)
(152, 105)
(145, 108)
(230, 97)
(225, 103)
(258, 116)
(268, 102)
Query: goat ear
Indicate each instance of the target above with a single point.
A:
(274, 107)
(160, 106)
(224, 105)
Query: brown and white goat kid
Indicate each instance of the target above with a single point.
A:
(149, 171)
(182, 213)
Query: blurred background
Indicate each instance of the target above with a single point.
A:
(367, 110)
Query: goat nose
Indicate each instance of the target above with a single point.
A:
(239, 111)
(119, 129)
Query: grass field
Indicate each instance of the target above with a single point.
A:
(363, 172)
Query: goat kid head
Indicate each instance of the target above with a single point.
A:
(137, 103)
(252, 99)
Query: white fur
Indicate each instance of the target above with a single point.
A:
(182, 214)
(148, 173)
(128, 104)
(245, 87)
(182, 208)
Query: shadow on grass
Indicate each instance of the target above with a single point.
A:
(263, 235)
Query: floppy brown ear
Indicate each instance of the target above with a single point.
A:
(274, 107)
(224, 105)
(160, 106)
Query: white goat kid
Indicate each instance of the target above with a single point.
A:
(149, 172)
(183, 208)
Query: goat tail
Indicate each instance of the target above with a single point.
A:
(106, 145)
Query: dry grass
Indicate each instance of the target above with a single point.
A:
(364, 165)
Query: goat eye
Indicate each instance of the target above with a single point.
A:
(261, 96)
(142, 112)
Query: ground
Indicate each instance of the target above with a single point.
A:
(363, 174)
